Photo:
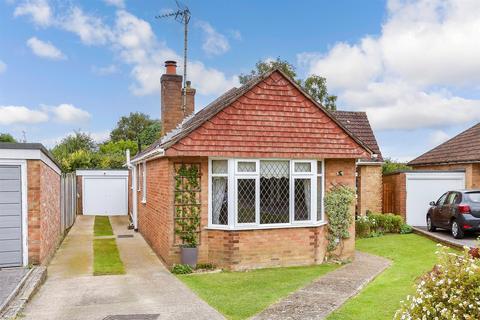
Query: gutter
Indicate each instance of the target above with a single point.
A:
(155, 153)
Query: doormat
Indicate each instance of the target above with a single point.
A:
(133, 317)
(125, 236)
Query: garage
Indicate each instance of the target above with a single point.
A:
(103, 192)
(10, 216)
(409, 193)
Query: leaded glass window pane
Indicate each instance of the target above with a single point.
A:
(274, 192)
(303, 167)
(220, 200)
(246, 200)
(244, 166)
(319, 198)
(302, 198)
(219, 166)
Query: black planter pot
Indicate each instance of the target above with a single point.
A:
(189, 256)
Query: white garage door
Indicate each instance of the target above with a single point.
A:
(105, 195)
(422, 188)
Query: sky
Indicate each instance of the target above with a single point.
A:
(412, 65)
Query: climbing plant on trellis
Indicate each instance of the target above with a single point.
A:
(187, 204)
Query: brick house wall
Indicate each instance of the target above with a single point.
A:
(236, 250)
(43, 197)
(370, 189)
(472, 172)
(395, 194)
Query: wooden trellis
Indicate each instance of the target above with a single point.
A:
(187, 203)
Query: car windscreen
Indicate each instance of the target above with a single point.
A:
(473, 196)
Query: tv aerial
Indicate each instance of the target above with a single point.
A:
(183, 16)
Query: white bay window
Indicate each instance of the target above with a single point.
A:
(265, 193)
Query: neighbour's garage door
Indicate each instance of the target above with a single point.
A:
(10, 216)
(105, 195)
(422, 188)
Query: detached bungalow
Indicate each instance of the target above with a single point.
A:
(264, 154)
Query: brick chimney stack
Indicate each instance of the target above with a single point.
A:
(172, 100)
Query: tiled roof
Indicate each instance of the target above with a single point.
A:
(195, 121)
(358, 124)
(462, 148)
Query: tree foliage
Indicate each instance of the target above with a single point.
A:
(151, 133)
(314, 85)
(7, 137)
(132, 126)
(390, 166)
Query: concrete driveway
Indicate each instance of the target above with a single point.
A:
(445, 237)
(147, 290)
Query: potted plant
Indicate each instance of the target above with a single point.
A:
(187, 210)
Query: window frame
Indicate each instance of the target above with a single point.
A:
(234, 175)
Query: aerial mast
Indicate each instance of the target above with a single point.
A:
(182, 15)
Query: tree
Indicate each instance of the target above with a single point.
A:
(130, 127)
(7, 137)
(390, 166)
(151, 133)
(111, 155)
(76, 151)
(314, 85)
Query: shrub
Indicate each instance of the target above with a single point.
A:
(405, 228)
(181, 269)
(205, 266)
(450, 291)
(338, 201)
(374, 225)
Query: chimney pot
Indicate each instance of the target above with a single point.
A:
(171, 67)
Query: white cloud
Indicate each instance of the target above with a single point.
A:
(90, 29)
(105, 71)
(38, 10)
(68, 113)
(437, 137)
(214, 43)
(100, 136)
(116, 3)
(21, 115)
(406, 76)
(45, 49)
(3, 67)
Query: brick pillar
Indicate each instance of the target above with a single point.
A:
(190, 106)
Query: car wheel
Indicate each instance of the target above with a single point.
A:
(457, 231)
(430, 226)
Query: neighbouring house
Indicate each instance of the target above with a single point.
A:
(263, 155)
(30, 208)
(461, 152)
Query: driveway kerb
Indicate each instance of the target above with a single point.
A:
(445, 238)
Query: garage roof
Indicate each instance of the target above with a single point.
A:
(26, 146)
(463, 148)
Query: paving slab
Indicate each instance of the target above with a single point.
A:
(328, 293)
(147, 290)
(445, 237)
(10, 279)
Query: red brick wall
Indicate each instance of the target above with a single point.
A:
(395, 194)
(43, 211)
(236, 250)
(370, 189)
(273, 119)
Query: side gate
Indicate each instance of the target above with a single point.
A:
(68, 200)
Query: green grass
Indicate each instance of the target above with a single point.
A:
(239, 295)
(412, 256)
(106, 259)
(102, 227)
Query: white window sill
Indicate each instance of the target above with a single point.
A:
(144, 201)
(263, 227)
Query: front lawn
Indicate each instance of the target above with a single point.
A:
(102, 226)
(239, 295)
(412, 256)
(106, 259)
